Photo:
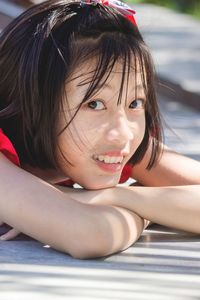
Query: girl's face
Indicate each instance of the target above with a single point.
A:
(103, 135)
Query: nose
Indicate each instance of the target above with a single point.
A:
(120, 130)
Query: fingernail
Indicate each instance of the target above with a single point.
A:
(2, 238)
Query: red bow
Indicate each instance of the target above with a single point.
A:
(122, 7)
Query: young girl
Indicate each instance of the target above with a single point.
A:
(78, 105)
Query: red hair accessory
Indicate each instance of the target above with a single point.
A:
(122, 7)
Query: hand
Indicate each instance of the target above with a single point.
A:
(11, 234)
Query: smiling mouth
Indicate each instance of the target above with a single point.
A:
(109, 159)
(109, 164)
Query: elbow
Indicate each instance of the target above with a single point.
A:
(94, 248)
(100, 245)
(107, 238)
(115, 231)
(92, 239)
(92, 242)
(86, 254)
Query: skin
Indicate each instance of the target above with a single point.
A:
(100, 127)
(119, 225)
(53, 217)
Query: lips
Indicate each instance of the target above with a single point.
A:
(109, 159)
(110, 162)
(109, 167)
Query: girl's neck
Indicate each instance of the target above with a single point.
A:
(51, 176)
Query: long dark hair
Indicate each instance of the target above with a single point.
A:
(39, 51)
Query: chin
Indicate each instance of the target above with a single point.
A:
(99, 185)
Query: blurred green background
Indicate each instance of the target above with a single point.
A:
(191, 7)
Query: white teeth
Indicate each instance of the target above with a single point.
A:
(101, 158)
(109, 159)
(113, 160)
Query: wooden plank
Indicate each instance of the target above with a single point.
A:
(163, 265)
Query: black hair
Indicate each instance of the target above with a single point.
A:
(38, 53)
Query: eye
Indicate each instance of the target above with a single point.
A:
(96, 105)
(137, 104)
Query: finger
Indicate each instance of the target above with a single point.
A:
(11, 234)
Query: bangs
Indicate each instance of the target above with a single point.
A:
(104, 53)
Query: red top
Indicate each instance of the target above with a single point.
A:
(6, 147)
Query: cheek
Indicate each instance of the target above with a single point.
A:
(69, 148)
(140, 122)
(85, 133)
(78, 138)
(143, 125)
(138, 132)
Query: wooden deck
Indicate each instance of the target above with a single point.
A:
(164, 264)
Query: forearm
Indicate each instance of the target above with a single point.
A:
(81, 230)
(48, 215)
(176, 207)
(32, 207)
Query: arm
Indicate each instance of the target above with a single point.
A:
(36, 208)
(171, 169)
(175, 206)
